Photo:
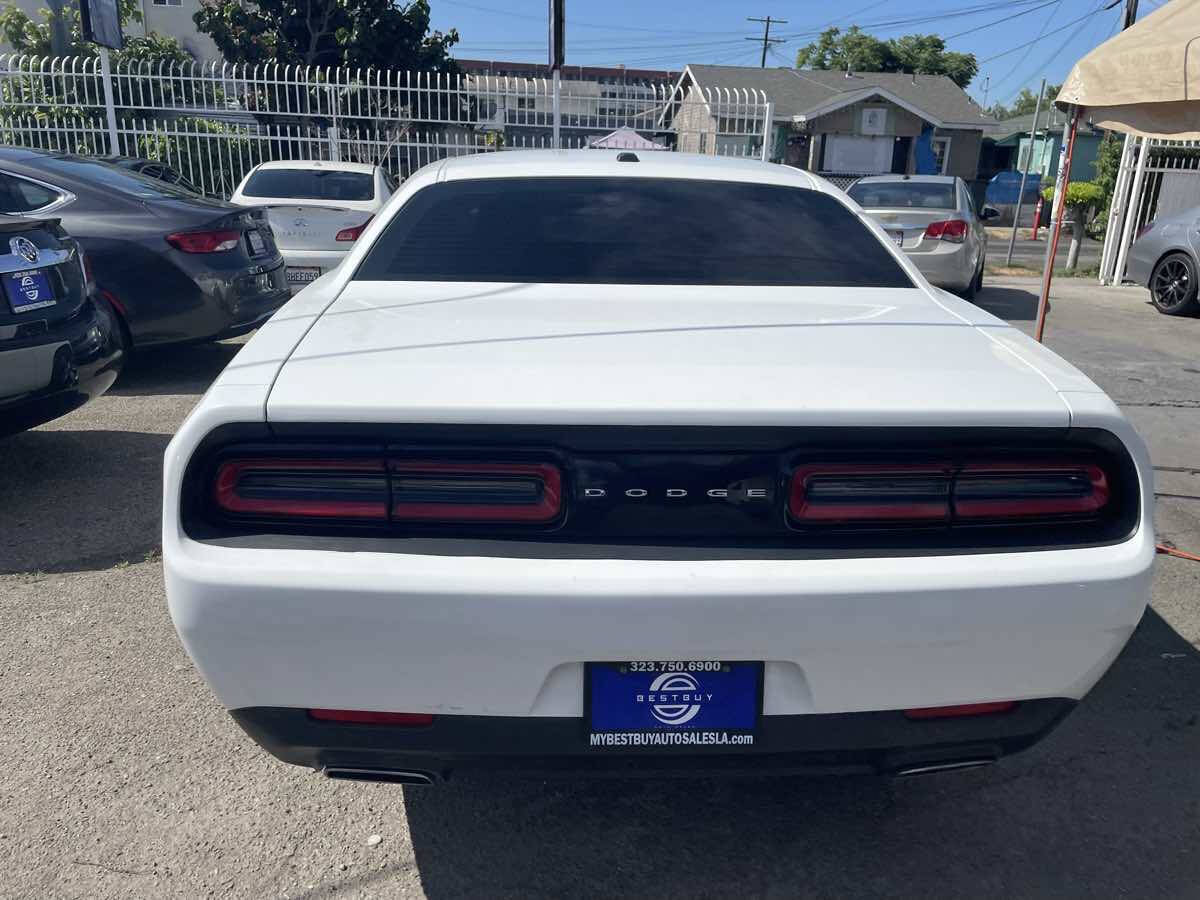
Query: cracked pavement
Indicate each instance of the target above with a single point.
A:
(122, 777)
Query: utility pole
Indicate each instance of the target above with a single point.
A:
(987, 84)
(766, 39)
(1012, 238)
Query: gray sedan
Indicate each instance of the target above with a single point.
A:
(1163, 258)
(933, 219)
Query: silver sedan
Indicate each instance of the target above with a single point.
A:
(1163, 258)
(933, 219)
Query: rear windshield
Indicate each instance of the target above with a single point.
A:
(904, 195)
(628, 231)
(115, 178)
(303, 184)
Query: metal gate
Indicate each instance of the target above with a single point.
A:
(214, 121)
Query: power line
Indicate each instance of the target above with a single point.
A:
(1049, 33)
(767, 40)
(1029, 49)
(575, 24)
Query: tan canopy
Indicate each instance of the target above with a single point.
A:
(1146, 80)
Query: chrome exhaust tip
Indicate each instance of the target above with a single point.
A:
(389, 776)
(947, 766)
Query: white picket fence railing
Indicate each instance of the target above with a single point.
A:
(214, 121)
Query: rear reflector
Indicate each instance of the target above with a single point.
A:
(353, 234)
(364, 717)
(966, 709)
(204, 241)
(323, 488)
(475, 491)
(977, 492)
(953, 230)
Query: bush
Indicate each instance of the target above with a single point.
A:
(1086, 194)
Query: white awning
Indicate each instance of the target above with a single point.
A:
(1146, 80)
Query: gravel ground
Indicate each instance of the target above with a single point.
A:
(122, 777)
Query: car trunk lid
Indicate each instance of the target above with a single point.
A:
(617, 354)
(302, 226)
(907, 226)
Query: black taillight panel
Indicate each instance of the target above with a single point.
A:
(770, 489)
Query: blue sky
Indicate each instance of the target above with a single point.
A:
(668, 34)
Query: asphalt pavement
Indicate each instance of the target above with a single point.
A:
(120, 776)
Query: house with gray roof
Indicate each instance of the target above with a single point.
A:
(842, 124)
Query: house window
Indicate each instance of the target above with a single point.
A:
(525, 103)
(941, 153)
(704, 142)
(168, 2)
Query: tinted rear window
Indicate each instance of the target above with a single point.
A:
(301, 184)
(904, 195)
(114, 178)
(628, 231)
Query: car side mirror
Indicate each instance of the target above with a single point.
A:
(989, 212)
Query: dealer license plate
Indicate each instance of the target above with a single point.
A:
(682, 705)
(28, 290)
(898, 237)
(302, 274)
(258, 246)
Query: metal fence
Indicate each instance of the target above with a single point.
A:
(1155, 179)
(214, 121)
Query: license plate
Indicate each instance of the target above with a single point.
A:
(679, 705)
(257, 245)
(898, 237)
(28, 290)
(302, 275)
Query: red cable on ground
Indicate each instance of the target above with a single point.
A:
(1172, 551)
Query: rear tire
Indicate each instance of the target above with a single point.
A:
(969, 292)
(1173, 286)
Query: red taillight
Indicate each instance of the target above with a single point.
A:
(353, 234)
(965, 709)
(399, 490)
(475, 492)
(953, 230)
(204, 241)
(365, 717)
(1007, 490)
(850, 493)
(322, 488)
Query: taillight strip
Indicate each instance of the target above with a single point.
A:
(353, 488)
(424, 490)
(877, 492)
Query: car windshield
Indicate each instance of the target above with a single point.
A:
(307, 184)
(115, 178)
(904, 194)
(628, 231)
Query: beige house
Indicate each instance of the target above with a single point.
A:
(842, 124)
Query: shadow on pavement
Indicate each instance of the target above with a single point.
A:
(184, 369)
(1011, 304)
(76, 500)
(1107, 805)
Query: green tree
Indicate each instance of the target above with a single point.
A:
(922, 54)
(1084, 199)
(1024, 103)
(354, 33)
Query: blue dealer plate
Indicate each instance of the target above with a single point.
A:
(673, 704)
(28, 290)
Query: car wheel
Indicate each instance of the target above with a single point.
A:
(969, 292)
(121, 335)
(1173, 285)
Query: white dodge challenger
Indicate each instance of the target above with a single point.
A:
(590, 462)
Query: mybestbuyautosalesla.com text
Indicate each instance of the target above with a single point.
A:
(670, 739)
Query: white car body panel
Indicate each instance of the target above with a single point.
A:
(493, 635)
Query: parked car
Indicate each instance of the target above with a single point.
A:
(174, 266)
(1002, 193)
(1164, 258)
(59, 348)
(933, 219)
(317, 209)
(532, 482)
(152, 168)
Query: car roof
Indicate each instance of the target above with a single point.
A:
(318, 165)
(919, 179)
(600, 163)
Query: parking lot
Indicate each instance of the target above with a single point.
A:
(123, 777)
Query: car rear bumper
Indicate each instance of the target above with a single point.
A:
(949, 266)
(48, 376)
(492, 636)
(867, 742)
